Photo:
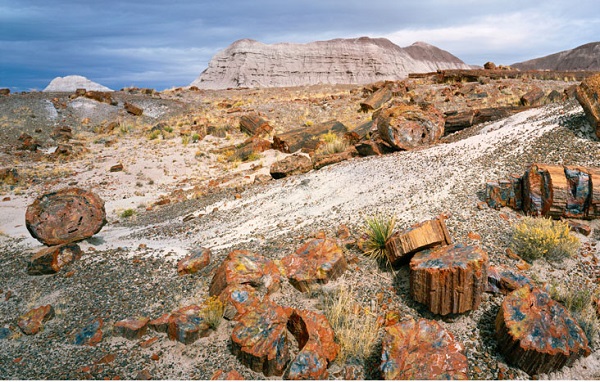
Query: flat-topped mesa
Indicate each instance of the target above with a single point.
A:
(249, 63)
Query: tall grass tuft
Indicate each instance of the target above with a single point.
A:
(379, 228)
(580, 303)
(534, 238)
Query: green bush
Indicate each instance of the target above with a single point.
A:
(379, 228)
(534, 238)
(127, 213)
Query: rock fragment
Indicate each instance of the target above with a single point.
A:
(194, 262)
(587, 94)
(33, 321)
(131, 328)
(407, 127)
(291, 165)
(52, 259)
(91, 334)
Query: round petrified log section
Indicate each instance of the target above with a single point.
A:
(65, 216)
(421, 350)
(406, 127)
(449, 279)
(536, 333)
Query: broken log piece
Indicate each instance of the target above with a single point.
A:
(65, 216)
(131, 328)
(537, 334)
(421, 350)
(495, 113)
(537, 191)
(406, 127)
(51, 260)
(259, 340)
(294, 164)
(458, 121)
(186, 325)
(316, 262)
(132, 109)
(321, 161)
(534, 97)
(376, 100)
(308, 138)
(587, 95)
(579, 192)
(505, 193)
(33, 321)
(403, 244)
(505, 280)
(254, 125)
(594, 201)
(449, 279)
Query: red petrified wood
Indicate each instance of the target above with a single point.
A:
(32, 321)
(131, 328)
(51, 260)
(403, 244)
(537, 334)
(316, 262)
(186, 325)
(449, 279)
(406, 127)
(194, 262)
(65, 216)
(421, 350)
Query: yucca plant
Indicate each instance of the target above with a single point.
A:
(534, 238)
(379, 228)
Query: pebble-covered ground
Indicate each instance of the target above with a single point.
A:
(117, 278)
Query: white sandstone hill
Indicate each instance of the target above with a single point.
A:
(249, 63)
(72, 83)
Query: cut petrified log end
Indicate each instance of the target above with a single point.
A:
(449, 279)
(537, 334)
(403, 244)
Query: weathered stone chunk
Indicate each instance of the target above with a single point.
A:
(428, 234)
(237, 299)
(449, 279)
(259, 340)
(132, 109)
(406, 127)
(194, 262)
(587, 94)
(376, 100)
(505, 193)
(160, 324)
(254, 125)
(421, 350)
(91, 334)
(131, 328)
(186, 325)
(291, 165)
(221, 375)
(505, 280)
(65, 216)
(538, 334)
(244, 267)
(316, 262)
(32, 321)
(51, 260)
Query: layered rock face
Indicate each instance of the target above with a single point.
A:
(72, 83)
(249, 63)
(584, 57)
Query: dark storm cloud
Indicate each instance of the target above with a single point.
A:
(162, 44)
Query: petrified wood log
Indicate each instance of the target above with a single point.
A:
(326, 160)
(316, 262)
(534, 97)
(132, 109)
(407, 127)
(421, 350)
(65, 216)
(376, 100)
(538, 334)
(457, 121)
(131, 328)
(259, 340)
(588, 96)
(504, 280)
(254, 125)
(292, 165)
(196, 261)
(186, 325)
(449, 279)
(237, 299)
(32, 321)
(505, 193)
(244, 267)
(403, 244)
(307, 138)
(51, 260)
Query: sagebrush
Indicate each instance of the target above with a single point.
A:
(535, 238)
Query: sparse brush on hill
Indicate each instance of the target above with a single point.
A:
(379, 228)
(356, 328)
(580, 303)
(534, 238)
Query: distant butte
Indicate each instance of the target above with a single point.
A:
(249, 63)
(584, 57)
(72, 83)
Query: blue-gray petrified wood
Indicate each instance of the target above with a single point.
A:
(537, 334)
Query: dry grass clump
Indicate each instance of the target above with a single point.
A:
(332, 144)
(378, 229)
(356, 328)
(536, 238)
(212, 312)
(580, 303)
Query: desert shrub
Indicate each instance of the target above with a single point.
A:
(332, 144)
(185, 139)
(252, 157)
(127, 213)
(580, 303)
(153, 134)
(356, 328)
(534, 238)
(212, 311)
(168, 129)
(378, 229)
(195, 137)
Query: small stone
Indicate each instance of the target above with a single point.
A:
(186, 325)
(91, 334)
(32, 322)
(132, 109)
(131, 328)
(194, 262)
(109, 358)
(160, 324)
(221, 375)
(4, 333)
(149, 342)
(143, 375)
(155, 357)
(581, 228)
(474, 236)
(116, 168)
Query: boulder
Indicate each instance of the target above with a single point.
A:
(587, 94)
(407, 127)
(244, 267)
(52, 259)
(316, 262)
(133, 109)
(91, 334)
(421, 350)
(253, 125)
(449, 279)
(194, 262)
(537, 334)
(186, 325)
(291, 165)
(131, 328)
(33, 321)
(259, 339)
(65, 216)
(428, 234)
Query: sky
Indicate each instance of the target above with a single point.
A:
(165, 44)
